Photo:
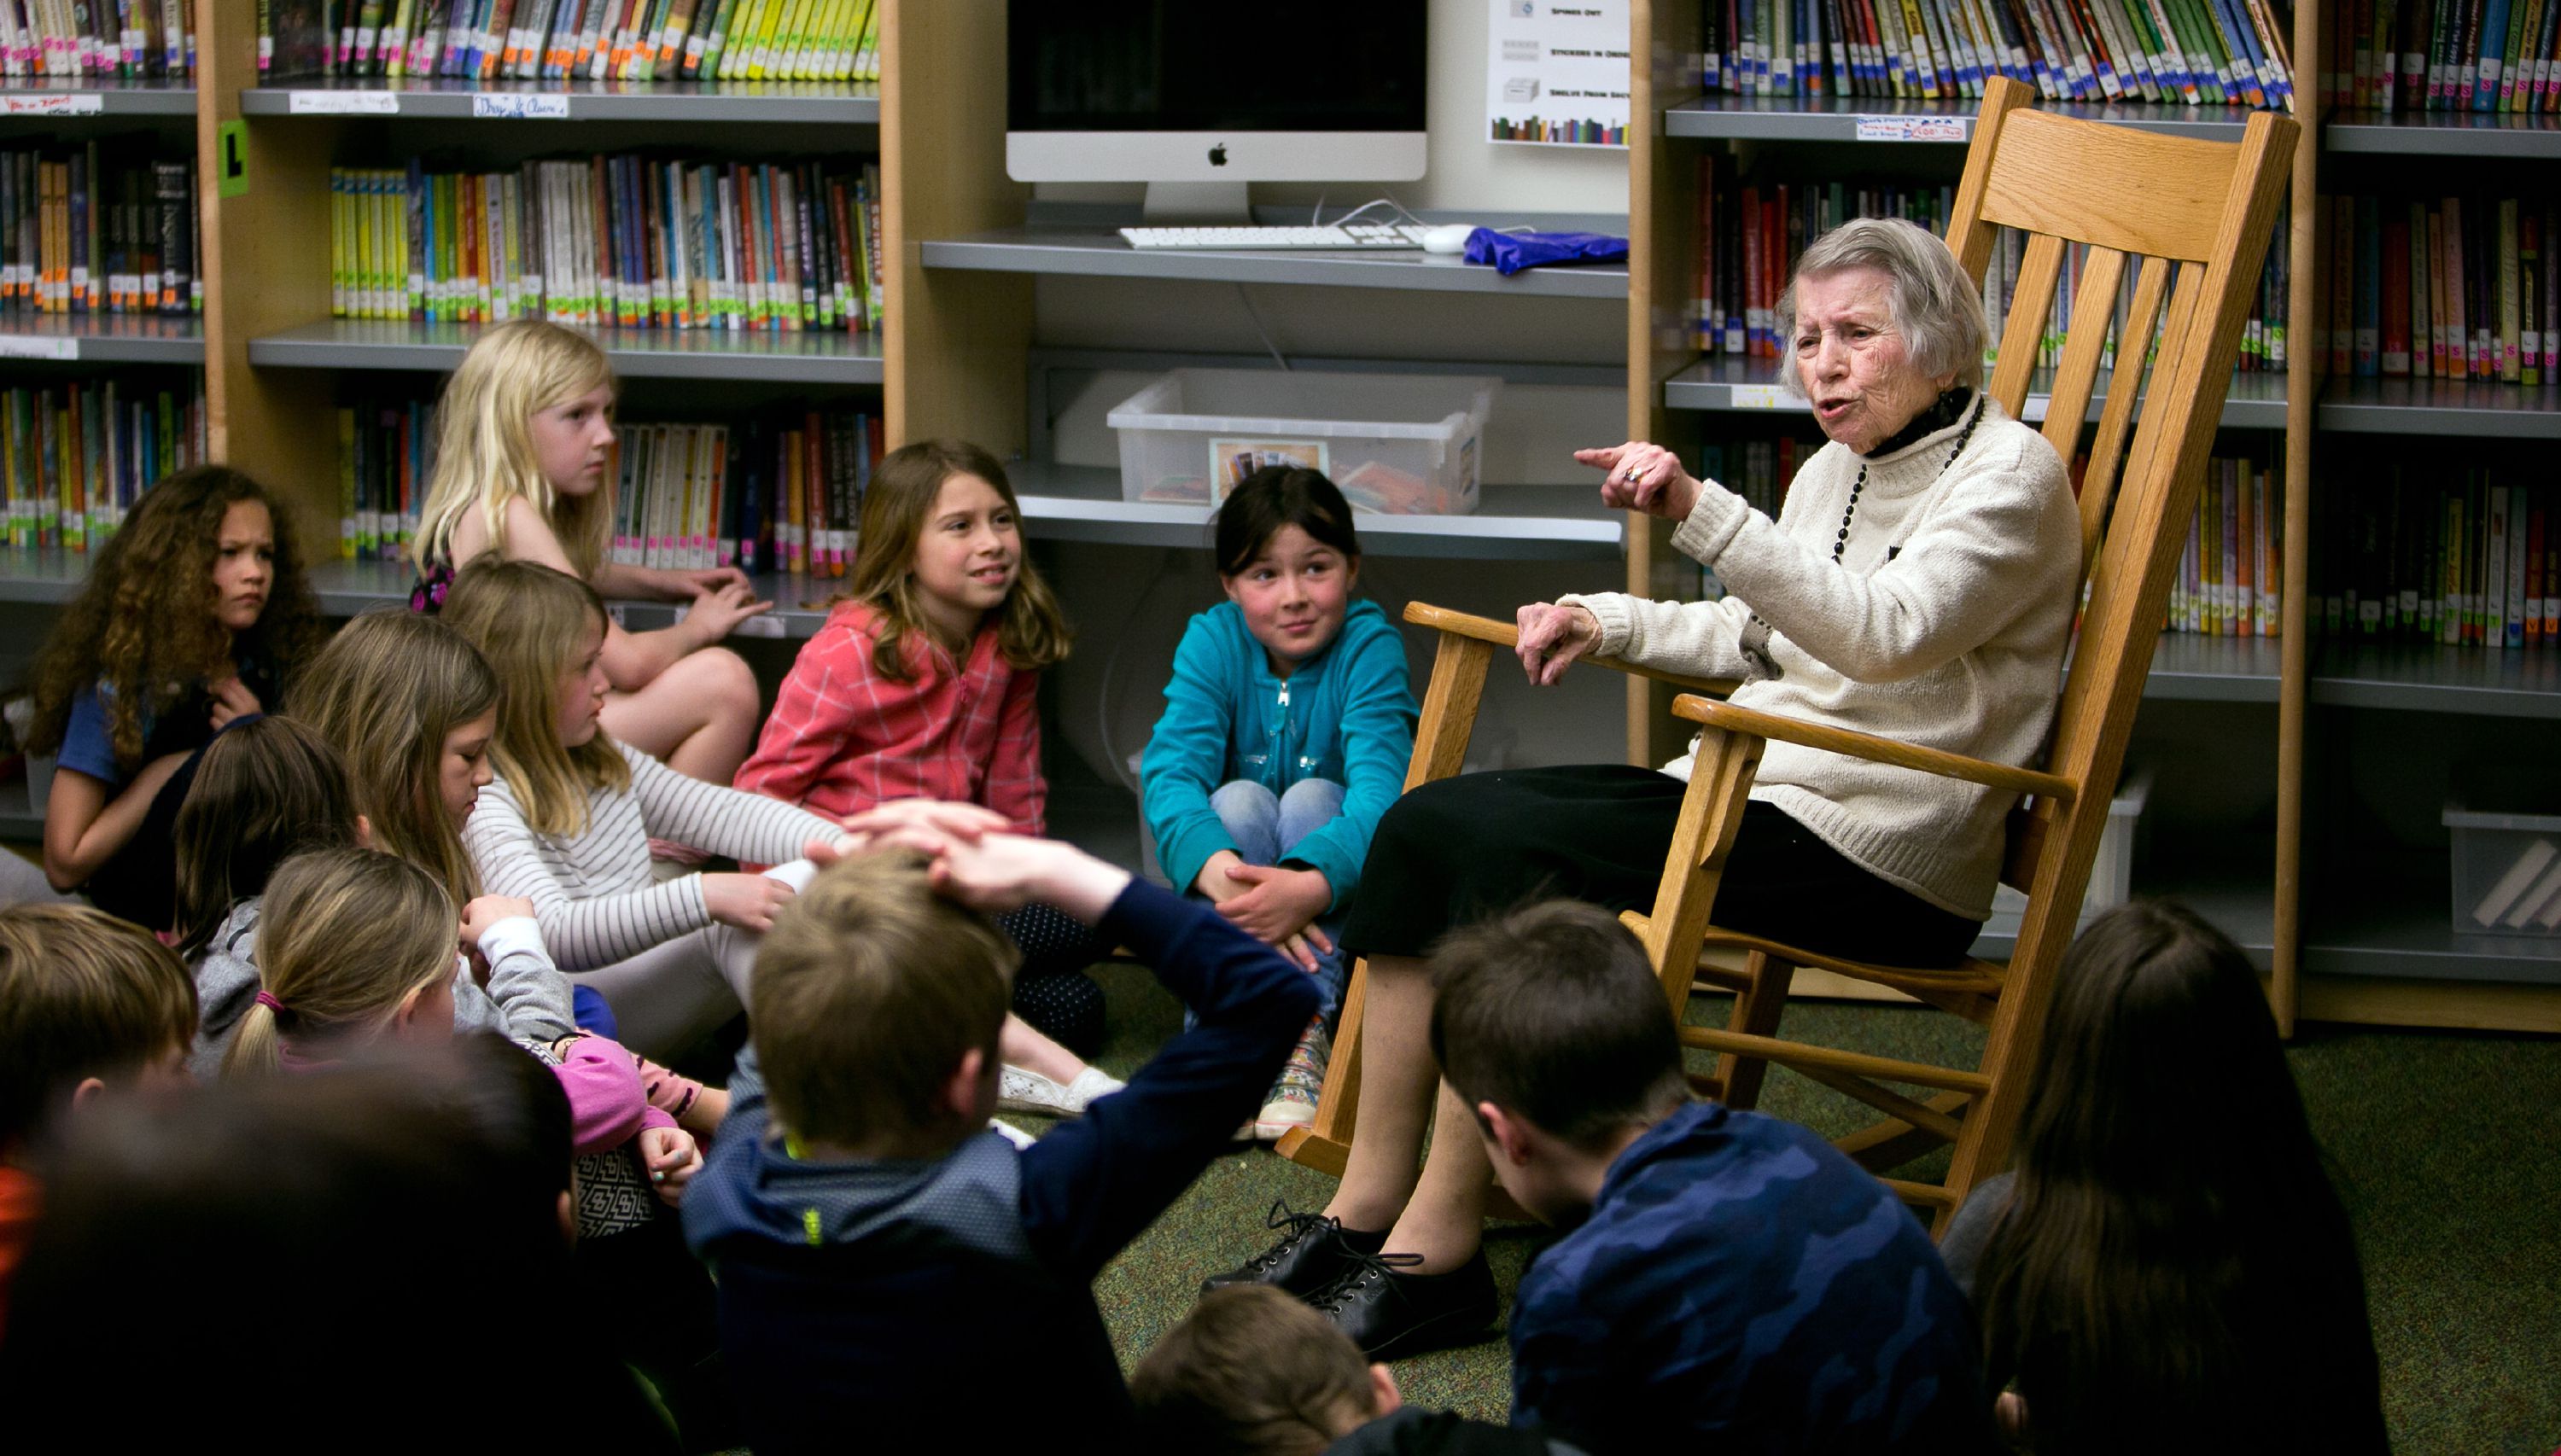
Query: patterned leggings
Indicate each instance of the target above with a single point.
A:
(1052, 991)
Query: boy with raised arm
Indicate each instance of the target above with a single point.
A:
(891, 1272)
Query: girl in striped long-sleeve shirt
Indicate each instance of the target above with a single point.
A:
(924, 683)
(568, 820)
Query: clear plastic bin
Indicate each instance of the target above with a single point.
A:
(2507, 874)
(1398, 443)
(2111, 875)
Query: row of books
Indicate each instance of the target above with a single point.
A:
(2191, 52)
(1749, 236)
(97, 229)
(621, 240)
(567, 40)
(2453, 287)
(2394, 56)
(777, 493)
(73, 458)
(2231, 573)
(92, 40)
(2464, 557)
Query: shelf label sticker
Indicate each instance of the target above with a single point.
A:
(1915, 128)
(38, 346)
(65, 103)
(520, 105)
(342, 103)
(1759, 396)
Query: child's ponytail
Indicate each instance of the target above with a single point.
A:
(345, 938)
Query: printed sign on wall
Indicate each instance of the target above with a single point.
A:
(1556, 72)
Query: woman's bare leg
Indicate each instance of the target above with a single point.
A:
(699, 717)
(1445, 1221)
(1396, 1079)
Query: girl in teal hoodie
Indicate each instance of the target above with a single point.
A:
(1286, 730)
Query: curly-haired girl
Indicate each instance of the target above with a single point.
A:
(193, 614)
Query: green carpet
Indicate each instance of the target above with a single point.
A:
(2433, 1135)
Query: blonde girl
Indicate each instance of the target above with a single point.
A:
(925, 684)
(413, 705)
(568, 820)
(524, 448)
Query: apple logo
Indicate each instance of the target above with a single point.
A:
(1218, 155)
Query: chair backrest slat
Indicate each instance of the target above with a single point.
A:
(2094, 302)
(2031, 303)
(2117, 417)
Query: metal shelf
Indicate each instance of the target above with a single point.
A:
(1102, 253)
(125, 99)
(2508, 136)
(104, 338)
(1724, 381)
(2465, 408)
(807, 358)
(346, 589)
(1543, 522)
(801, 104)
(2417, 676)
(1842, 118)
(2200, 669)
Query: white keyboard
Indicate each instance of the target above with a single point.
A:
(1357, 234)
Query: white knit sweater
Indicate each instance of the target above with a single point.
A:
(1944, 626)
(594, 894)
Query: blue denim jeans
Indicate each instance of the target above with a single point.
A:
(1265, 827)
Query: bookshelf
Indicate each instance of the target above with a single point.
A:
(967, 249)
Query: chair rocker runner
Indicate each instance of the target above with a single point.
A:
(2192, 221)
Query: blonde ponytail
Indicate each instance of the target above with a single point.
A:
(345, 937)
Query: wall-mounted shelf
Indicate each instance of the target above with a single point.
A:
(1727, 382)
(777, 103)
(2509, 136)
(103, 338)
(2419, 677)
(1540, 523)
(1103, 252)
(808, 358)
(2468, 409)
(57, 100)
(1882, 119)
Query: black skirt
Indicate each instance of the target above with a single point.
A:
(1457, 849)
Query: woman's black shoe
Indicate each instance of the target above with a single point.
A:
(1392, 1314)
(1316, 1251)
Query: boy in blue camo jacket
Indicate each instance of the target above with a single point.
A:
(1728, 1275)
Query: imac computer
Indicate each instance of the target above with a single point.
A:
(1198, 98)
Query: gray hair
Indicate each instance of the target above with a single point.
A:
(1935, 307)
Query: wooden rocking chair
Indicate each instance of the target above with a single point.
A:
(2137, 200)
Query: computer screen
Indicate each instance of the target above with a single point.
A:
(1185, 92)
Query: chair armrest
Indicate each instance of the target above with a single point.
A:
(1873, 748)
(1506, 635)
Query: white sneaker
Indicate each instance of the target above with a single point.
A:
(1025, 1091)
(1010, 1133)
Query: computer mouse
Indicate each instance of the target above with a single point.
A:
(1450, 238)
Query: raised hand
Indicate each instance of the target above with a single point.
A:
(1642, 476)
(1552, 636)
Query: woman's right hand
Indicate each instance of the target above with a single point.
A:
(488, 910)
(1552, 636)
(717, 610)
(748, 901)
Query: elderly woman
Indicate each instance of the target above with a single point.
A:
(1918, 585)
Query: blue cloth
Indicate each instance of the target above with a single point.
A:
(1345, 714)
(1741, 1286)
(86, 748)
(593, 1012)
(1267, 828)
(876, 1297)
(1512, 253)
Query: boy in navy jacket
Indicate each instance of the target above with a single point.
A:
(892, 1273)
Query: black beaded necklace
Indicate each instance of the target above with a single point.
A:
(1840, 543)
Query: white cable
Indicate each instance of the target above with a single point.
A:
(1264, 334)
(1383, 202)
